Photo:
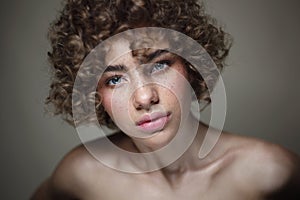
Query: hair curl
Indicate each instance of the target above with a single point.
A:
(83, 24)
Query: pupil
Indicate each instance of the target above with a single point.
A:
(115, 80)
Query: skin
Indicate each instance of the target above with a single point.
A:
(237, 167)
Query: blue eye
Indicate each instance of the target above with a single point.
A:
(162, 65)
(115, 80)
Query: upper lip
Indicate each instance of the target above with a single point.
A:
(151, 117)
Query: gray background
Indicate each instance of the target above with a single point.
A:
(262, 84)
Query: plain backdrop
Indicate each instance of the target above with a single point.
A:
(262, 84)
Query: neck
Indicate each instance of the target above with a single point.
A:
(189, 160)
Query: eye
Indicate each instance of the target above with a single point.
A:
(161, 65)
(114, 80)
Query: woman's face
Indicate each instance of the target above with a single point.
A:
(146, 101)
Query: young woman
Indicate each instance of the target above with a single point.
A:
(144, 91)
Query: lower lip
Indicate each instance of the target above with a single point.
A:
(154, 126)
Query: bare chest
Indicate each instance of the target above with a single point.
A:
(194, 188)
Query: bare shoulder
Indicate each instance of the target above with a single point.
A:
(66, 180)
(71, 173)
(78, 171)
(265, 167)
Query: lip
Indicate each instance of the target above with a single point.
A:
(153, 122)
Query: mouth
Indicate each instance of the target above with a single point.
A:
(153, 122)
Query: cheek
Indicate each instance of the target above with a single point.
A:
(180, 87)
(177, 81)
(179, 94)
(106, 101)
(114, 104)
(117, 107)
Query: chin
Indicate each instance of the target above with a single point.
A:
(157, 140)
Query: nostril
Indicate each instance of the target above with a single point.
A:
(155, 99)
(144, 97)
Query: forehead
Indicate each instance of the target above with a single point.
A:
(117, 49)
(123, 48)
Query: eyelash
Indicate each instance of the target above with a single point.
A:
(166, 64)
(107, 82)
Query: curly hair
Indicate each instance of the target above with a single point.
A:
(83, 24)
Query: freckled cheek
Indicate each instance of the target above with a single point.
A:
(179, 86)
(114, 105)
(178, 94)
(168, 96)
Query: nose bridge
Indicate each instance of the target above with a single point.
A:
(138, 78)
(144, 92)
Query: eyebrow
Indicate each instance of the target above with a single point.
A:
(157, 53)
(113, 68)
(123, 68)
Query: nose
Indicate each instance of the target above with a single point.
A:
(145, 96)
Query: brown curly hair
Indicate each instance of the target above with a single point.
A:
(83, 24)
